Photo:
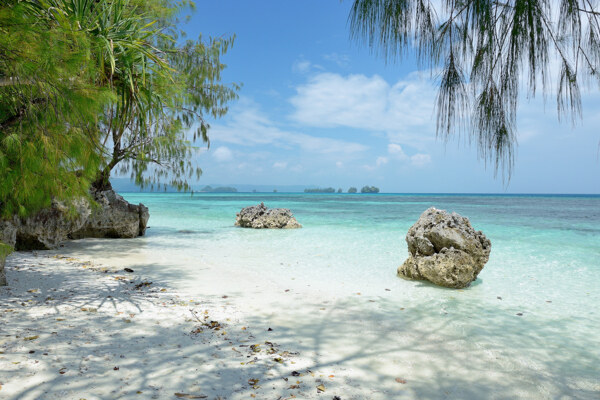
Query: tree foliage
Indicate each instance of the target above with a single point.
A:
(89, 85)
(49, 108)
(369, 189)
(164, 90)
(489, 53)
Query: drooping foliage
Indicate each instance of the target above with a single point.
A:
(489, 54)
(49, 107)
(88, 85)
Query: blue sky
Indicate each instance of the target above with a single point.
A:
(317, 109)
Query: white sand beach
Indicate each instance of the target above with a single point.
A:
(74, 329)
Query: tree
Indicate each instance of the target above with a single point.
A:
(489, 53)
(49, 107)
(89, 85)
(369, 189)
(164, 90)
(352, 190)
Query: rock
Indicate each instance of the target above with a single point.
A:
(260, 216)
(5, 250)
(8, 231)
(113, 218)
(51, 226)
(445, 250)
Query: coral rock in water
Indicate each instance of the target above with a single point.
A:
(445, 250)
(260, 216)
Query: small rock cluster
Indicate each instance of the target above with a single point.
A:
(261, 217)
(445, 250)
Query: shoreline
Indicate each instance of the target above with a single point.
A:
(79, 330)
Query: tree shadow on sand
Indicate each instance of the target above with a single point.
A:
(103, 338)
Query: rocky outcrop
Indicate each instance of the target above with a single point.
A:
(445, 250)
(259, 217)
(51, 226)
(8, 231)
(5, 250)
(113, 217)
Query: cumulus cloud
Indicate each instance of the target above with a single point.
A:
(403, 110)
(396, 151)
(222, 154)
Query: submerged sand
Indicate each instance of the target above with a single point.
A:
(316, 339)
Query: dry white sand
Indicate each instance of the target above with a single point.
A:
(74, 330)
(67, 324)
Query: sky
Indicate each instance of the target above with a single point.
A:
(319, 109)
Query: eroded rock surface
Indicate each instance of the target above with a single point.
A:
(114, 217)
(51, 226)
(259, 217)
(445, 250)
(5, 250)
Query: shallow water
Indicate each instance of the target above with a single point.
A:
(326, 285)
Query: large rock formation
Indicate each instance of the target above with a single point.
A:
(445, 250)
(113, 217)
(51, 226)
(260, 216)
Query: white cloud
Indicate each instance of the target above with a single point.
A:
(222, 154)
(403, 110)
(396, 151)
(339, 164)
(420, 160)
(381, 161)
(249, 127)
(280, 165)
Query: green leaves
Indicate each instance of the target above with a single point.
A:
(49, 103)
(90, 85)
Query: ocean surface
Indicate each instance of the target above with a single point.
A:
(544, 264)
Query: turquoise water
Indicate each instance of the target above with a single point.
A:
(544, 264)
(541, 245)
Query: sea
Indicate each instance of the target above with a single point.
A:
(528, 327)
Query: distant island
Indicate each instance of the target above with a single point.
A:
(320, 190)
(365, 189)
(369, 189)
(220, 189)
